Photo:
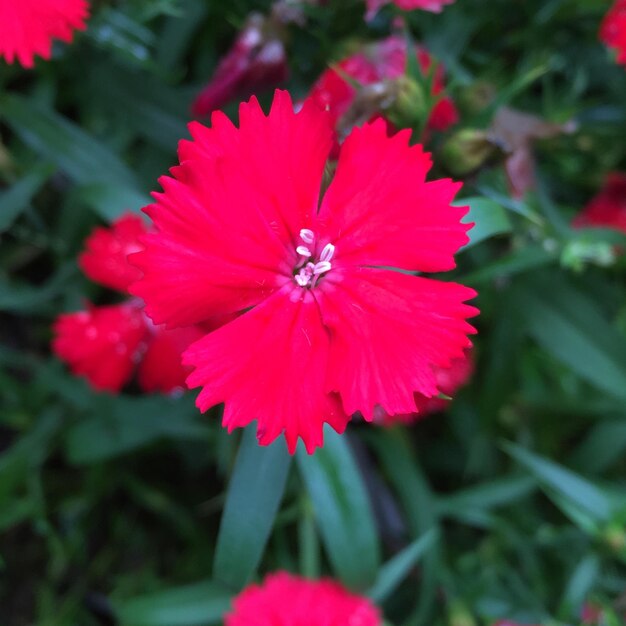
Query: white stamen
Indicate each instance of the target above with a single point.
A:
(303, 251)
(321, 267)
(327, 252)
(307, 235)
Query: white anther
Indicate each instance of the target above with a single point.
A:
(307, 235)
(303, 251)
(327, 252)
(302, 280)
(321, 267)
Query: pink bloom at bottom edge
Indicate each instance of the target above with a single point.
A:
(613, 30)
(106, 344)
(289, 600)
(449, 381)
(434, 6)
(607, 209)
(27, 27)
(326, 328)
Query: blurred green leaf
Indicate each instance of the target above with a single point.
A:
(254, 494)
(567, 324)
(109, 201)
(118, 425)
(342, 510)
(54, 138)
(555, 479)
(488, 216)
(198, 604)
(17, 198)
(393, 572)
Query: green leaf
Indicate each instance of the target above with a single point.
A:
(604, 445)
(572, 488)
(192, 605)
(16, 199)
(117, 425)
(393, 572)
(567, 324)
(82, 157)
(252, 500)
(110, 201)
(488, 495)
(342, 510)
(489, 219)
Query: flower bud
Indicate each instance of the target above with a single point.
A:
(466, 150)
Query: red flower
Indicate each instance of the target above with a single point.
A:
(257, 60)
(327, 329)
(613, 30)
(434, 6)
(106, 344)
(105, 259)
(292, 601)
(608, 208)
(27, 27)
(385, 60)
(449, 381)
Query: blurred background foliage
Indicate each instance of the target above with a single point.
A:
(512, 505)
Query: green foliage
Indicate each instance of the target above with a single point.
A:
(139, 511)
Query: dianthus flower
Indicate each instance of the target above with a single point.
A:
(449, 381)
(434, 6)
(293, 601)
(613, 30)
(256, 60)
(608, 208)
(106, 344)
(383, 61)
(27, 27)
(327, 328)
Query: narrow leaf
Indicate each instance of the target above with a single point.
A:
(254, 495)
(489, 219)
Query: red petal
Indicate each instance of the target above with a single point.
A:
(27, 27)
(287, 600)
(102, 343)
(161, 368)
(229, 220)
(388, 330)
(270, 365)
(106, 250)
(380, 211)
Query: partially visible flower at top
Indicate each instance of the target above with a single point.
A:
(326, 327)
(607, 209)
(106, 344)
(434, 6)
(289, 600)
(378, 66)
(449, 381)
(257, 60)
(27, 27)
(613, 30)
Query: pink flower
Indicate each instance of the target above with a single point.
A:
(256, 60)
(382, 61)
(292, 601)
(27, 27)
(326, 329)
(449, 381)
(613, 30)
(608, 208)
(107, 344)
(434, 6)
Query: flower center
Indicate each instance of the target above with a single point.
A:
(309, 269)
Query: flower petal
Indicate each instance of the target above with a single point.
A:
(106, 250)
(388, 330)
(380, 211)
(101, 343)
(270, 365)
(229, 220)
(161, 368)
